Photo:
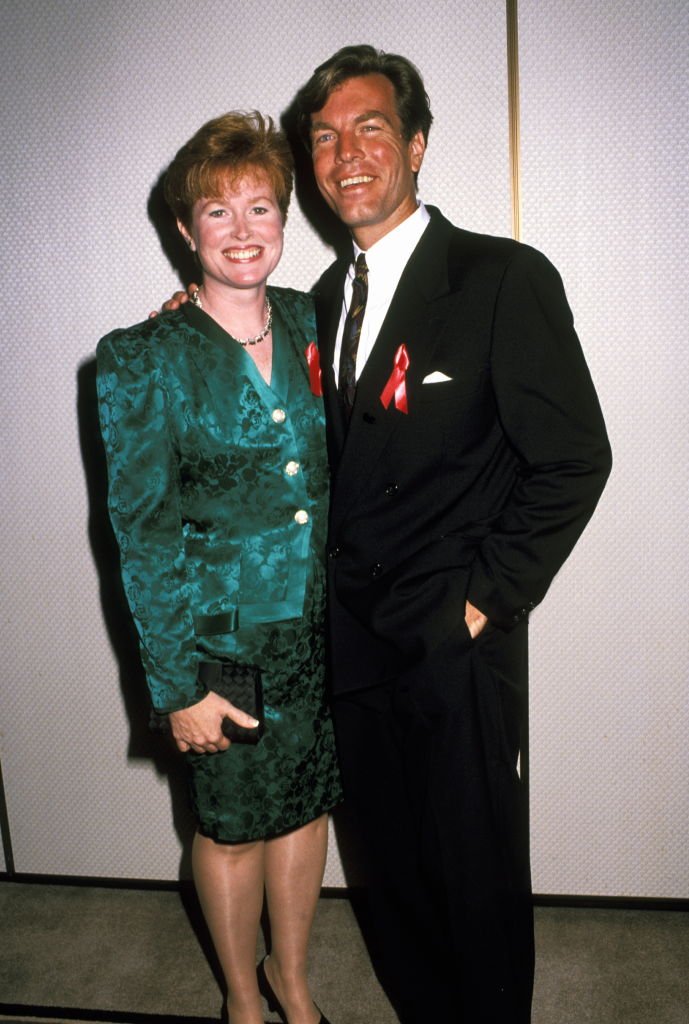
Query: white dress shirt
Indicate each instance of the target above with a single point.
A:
(386, 260)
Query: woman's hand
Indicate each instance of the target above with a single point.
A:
(199, 727)
(178, 299)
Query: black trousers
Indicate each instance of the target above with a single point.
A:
(429, 768)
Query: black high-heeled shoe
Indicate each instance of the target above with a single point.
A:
(266, 990)
(274, 1004)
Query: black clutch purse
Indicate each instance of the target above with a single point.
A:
(240, 684)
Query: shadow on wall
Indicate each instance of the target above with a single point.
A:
(329, 229)
(180, 258)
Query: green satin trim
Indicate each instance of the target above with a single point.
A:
(263, 611)
(222, 622)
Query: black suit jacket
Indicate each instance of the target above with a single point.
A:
(482, 488)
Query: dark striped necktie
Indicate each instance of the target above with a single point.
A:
(351, 334)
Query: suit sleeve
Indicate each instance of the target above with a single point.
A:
(551, 417)
(144, 506)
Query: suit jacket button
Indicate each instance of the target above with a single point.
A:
(391, 489)
(334, 552)
(376, 569)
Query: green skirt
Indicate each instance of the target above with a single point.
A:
(291, 775)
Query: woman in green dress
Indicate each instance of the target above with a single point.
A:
(214, 434)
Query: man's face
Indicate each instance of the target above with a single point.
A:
(363, 166)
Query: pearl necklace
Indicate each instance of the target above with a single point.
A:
(196, 299)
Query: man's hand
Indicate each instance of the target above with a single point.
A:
(177, 300)
(476, 621)
(199, 728)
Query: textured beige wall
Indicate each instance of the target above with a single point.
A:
(96, 99)
(605, 144)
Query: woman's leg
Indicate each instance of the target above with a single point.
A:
(229, 881)
(294, 865)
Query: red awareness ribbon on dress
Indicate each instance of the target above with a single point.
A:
(313, 359)
(397, 382)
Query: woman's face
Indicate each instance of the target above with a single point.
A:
(239, 236)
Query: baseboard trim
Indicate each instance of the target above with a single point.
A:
(585, 901)
(95, 881)
(611, 902)
(19, 1011)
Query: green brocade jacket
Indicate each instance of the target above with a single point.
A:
(218, 484)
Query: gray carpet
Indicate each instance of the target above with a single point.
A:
(123, 956)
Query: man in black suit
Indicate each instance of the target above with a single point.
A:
(468, 451)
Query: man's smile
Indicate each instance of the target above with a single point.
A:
(359, 179)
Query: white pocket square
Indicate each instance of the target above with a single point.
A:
(435, 378)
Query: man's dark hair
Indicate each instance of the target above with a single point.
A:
(411, 98)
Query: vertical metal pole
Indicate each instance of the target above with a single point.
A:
(513, 109)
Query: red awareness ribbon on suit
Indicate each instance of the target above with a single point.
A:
(313, 359)
(397, 381)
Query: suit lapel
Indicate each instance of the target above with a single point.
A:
(417, 314)
(328, 299)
